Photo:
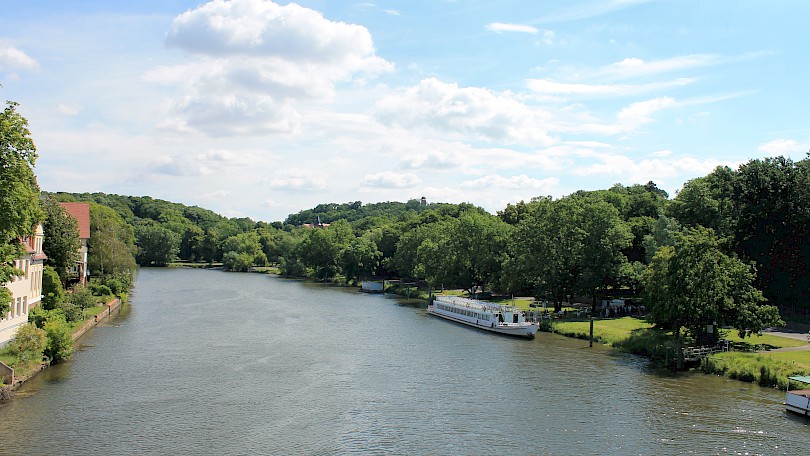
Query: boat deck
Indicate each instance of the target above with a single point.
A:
(804, 393)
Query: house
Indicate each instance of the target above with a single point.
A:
(80, 212)
(26, 290)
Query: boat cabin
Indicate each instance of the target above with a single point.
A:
(798, 400)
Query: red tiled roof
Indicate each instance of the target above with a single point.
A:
(81, 212)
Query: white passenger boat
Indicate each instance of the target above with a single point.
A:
(798, 401)
(503, 319)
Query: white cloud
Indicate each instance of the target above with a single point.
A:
(438, 159)
(168, 165)
(390, 179)
(635, 67)
(499, 27)
(216, 194)
(255, 60)
(589, 9)
(297, 180)
(12, 59)
(514, 182)
(655, 169)
(68, 110)
(471, 112)
(549, 87)
(784, 147)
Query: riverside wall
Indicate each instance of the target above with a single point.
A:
(112, 307)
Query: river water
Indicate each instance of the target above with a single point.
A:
(209, 362)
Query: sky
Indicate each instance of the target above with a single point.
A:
(260, 109)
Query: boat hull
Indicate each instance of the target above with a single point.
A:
(525, 330)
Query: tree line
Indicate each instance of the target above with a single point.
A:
(730, 248)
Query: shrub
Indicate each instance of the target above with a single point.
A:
(52, 292)
(100, 290)
(70, 311)
(115, 286)
(60, 340)
(27, 345)
(82, 297)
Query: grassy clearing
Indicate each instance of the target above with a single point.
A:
(610, 332)
(763, 342)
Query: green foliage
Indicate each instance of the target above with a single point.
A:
(52, 292)
(568, 246)
(111, 243)
(695, 284)
(27, 346)
(360, 258)
(61, 238)
(116, 286)
(766, 369)
(82, 297)
(157, 246)
(60, 339)
(99, 289)
(242, 251)
(20, 208)
(320, 249)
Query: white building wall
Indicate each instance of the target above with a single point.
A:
(26, 292)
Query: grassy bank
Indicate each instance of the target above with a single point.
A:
(770, 369)
(634, 335)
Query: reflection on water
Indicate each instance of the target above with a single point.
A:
(207, 362)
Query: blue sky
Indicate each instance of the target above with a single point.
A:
(261, 109)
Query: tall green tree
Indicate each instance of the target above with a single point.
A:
(242, 251)
(360, 258)
(157, 246)
(20, 208)
(695, 284)
(321, 248)
(112, 244)
(61, 238)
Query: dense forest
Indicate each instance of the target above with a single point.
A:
(730, 247)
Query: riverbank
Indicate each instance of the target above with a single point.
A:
(766, 359)
(13, 379)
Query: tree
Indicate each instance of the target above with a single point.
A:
(20, 209)
(52, 291)
(695, 284)
(360, 258)
(60, 338)
(157, 246)
(571, 245)
(242, 251)
(28, 344)
(111, 243)
(321, 248)
(479, 242)
(61, 241)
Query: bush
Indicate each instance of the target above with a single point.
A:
(100, 290)
(27, 346)
(60, 340)
(52, 292)
(115, 286)
(70, 312)
(82, 297)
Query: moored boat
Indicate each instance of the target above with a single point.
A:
(798, 401)
(502, 319)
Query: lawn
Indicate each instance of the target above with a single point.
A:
(765, 341)
(611, 332)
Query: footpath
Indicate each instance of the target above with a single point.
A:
(13, 382)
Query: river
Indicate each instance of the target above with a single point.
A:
(209, 362)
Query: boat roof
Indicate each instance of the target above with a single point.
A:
(474, 303)
(801, 378)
